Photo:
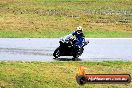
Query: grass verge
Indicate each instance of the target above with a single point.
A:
(57, 74)
(56, 18)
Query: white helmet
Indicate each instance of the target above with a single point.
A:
(79, 29)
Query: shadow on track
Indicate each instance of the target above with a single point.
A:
(67, 59)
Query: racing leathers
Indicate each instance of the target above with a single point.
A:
(79, 37)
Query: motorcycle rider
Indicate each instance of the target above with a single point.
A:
(78, 33)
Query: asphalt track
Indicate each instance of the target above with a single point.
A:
(41, 49)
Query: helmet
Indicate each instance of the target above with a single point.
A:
(79, 29)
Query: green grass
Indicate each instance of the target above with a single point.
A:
(56, 18)
(94, 34)
(58, 74)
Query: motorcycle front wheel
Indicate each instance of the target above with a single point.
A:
(56, 53)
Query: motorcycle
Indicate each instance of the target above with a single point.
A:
(68, 48)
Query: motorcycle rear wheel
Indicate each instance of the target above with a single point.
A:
(75, 56)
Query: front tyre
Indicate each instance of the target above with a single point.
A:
(56, 53)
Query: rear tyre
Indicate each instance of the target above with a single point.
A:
(56, 53)
(75, 52)
(78, 52)
(76, 56)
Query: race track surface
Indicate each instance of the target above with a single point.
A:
(41, 49)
